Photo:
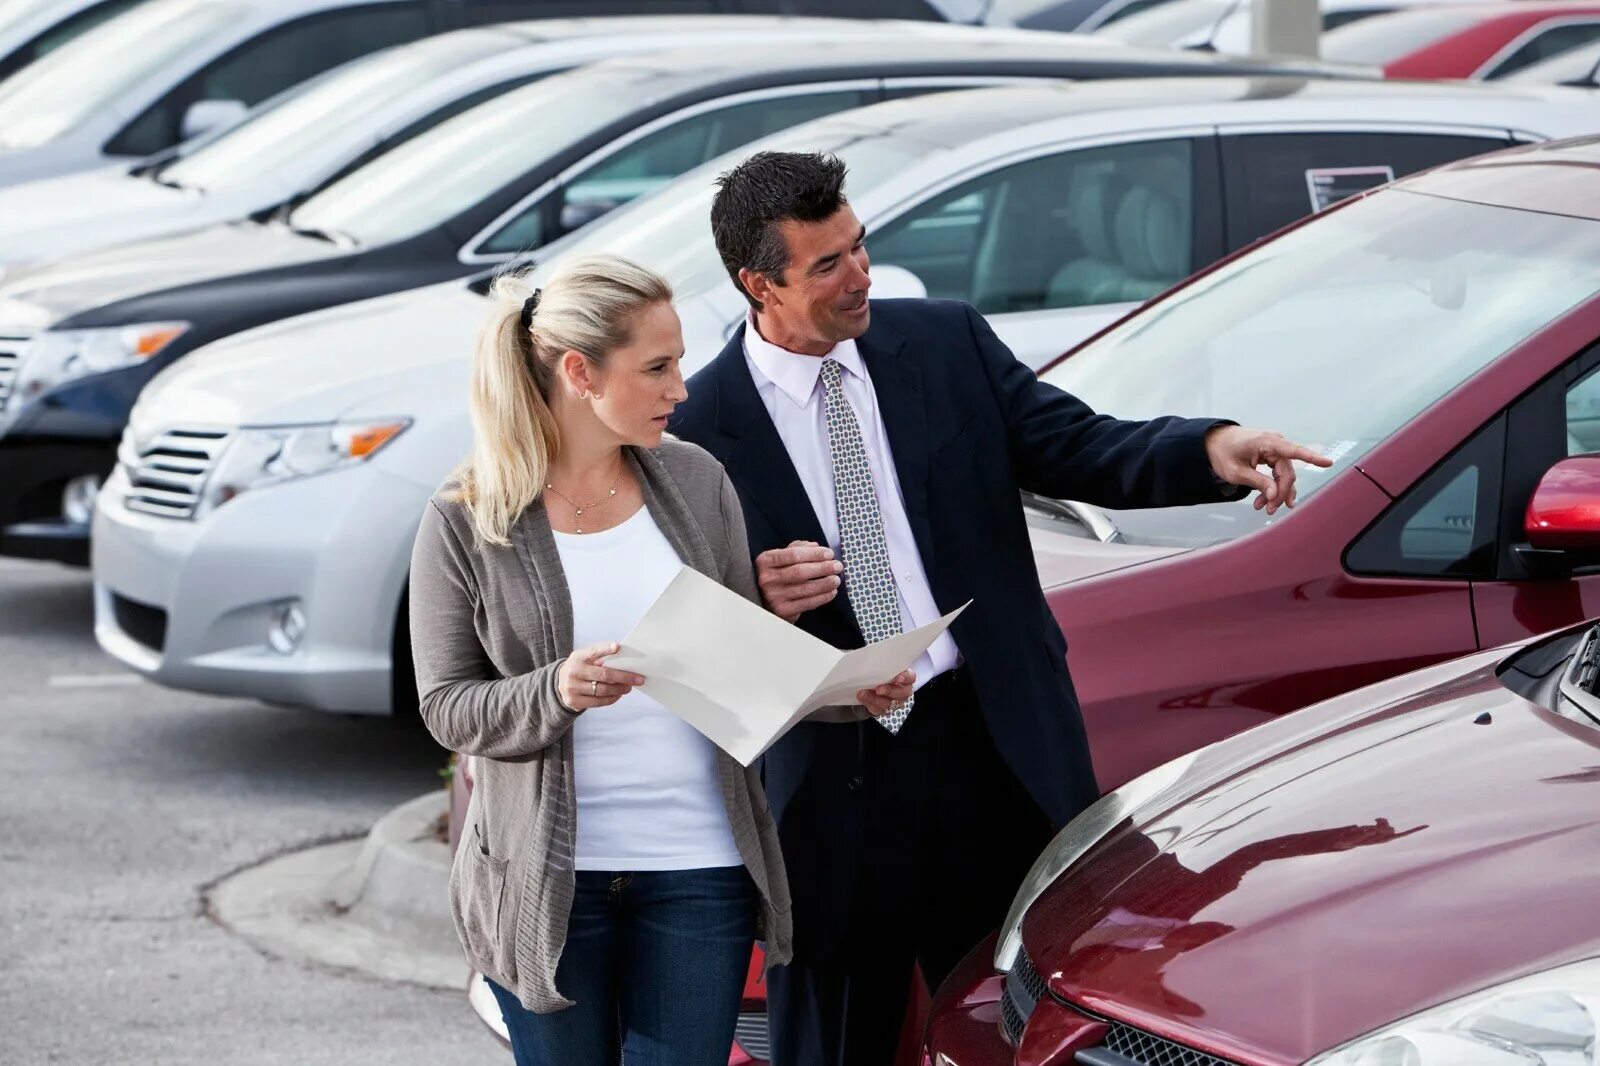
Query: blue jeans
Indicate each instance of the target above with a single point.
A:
(656, 963)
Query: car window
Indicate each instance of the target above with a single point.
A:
(1117, 12)
(59, 34)
(655, 159)
(1272, 179)
(670, 230)
(1096, 226)
(1387, 305)
(83, 78)
(1575, 66)
(1332, 20)
(459, 163)
(1548, 42)
(272, 62)
(1583, 415)
(1444, 526)
(341, 107)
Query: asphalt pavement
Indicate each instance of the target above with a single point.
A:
(120, 801)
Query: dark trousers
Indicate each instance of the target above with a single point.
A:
(656, 963)
(947, 835)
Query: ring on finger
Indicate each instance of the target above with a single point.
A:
(594, 689)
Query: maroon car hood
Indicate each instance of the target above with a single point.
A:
(1421, 853)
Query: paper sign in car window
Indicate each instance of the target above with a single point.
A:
(1329, 185)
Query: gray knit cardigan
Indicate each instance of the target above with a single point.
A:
(490, 626)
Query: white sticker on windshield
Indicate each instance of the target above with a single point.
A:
(1340, 449)
(1329, 185)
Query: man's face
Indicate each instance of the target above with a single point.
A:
(824, 296)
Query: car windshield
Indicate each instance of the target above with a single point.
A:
(1169, 24)
(670, 231)
(331, 111)
(1383, 39)
(1576, 66)
(455, 165)
(1336, 334)
(94, 72)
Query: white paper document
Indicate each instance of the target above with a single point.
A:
(745, 677)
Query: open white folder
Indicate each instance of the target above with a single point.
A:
(745, 677)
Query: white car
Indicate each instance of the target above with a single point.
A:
(33, 28)
(1224, 25)
(169, 70)
(1053, 209)
(308, 135)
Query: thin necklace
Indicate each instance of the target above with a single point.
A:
(580, 507)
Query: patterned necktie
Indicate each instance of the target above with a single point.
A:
(868, 579)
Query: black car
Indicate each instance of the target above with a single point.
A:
(79, 338)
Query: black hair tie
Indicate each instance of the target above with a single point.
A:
(529, 306)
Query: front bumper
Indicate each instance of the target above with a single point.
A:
(33, 476)
(967, 1023)
(192, 604)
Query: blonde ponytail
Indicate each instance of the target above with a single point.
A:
(586, 306)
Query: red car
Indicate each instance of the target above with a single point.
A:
(1402, 876)
(1481, 41)
(1438, 338)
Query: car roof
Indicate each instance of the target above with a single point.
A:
(1557, 178)
(1060, 109)
(553, 29)
(1035, 53)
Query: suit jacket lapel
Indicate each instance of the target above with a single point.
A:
(902, 405)
(758, 462)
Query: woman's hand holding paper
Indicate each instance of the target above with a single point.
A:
(584, 681)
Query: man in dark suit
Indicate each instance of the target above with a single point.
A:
(879, 449)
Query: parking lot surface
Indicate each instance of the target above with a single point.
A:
(120, 802)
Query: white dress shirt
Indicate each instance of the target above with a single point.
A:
(790, 386)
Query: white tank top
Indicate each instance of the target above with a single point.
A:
(647, 785)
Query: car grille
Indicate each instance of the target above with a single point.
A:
(11, 346)
(753, 1035)
(1147, 1049)
(166, 474)
(1023, 989)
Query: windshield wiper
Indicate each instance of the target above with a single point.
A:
(161, 179)
(1096, 521)
(335, 237)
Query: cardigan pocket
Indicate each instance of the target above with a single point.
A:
(483, 887)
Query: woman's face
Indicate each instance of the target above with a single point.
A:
(635, 391)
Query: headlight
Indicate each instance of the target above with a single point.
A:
(269, 455)
(1081, 834)
(57, 356)
(1549, 1019)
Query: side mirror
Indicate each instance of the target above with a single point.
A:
(890, 282)
(204, 116)
(1562, 522)
(579, 213)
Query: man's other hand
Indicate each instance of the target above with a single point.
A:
(797, 579)
(1235, 454)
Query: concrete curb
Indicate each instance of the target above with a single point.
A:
(377, 906)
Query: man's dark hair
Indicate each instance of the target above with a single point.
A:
(764, 190)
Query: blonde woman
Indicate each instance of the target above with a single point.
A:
(616, 866)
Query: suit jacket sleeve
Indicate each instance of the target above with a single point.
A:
(1061, 448)
(464, 701)
(739, 575)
